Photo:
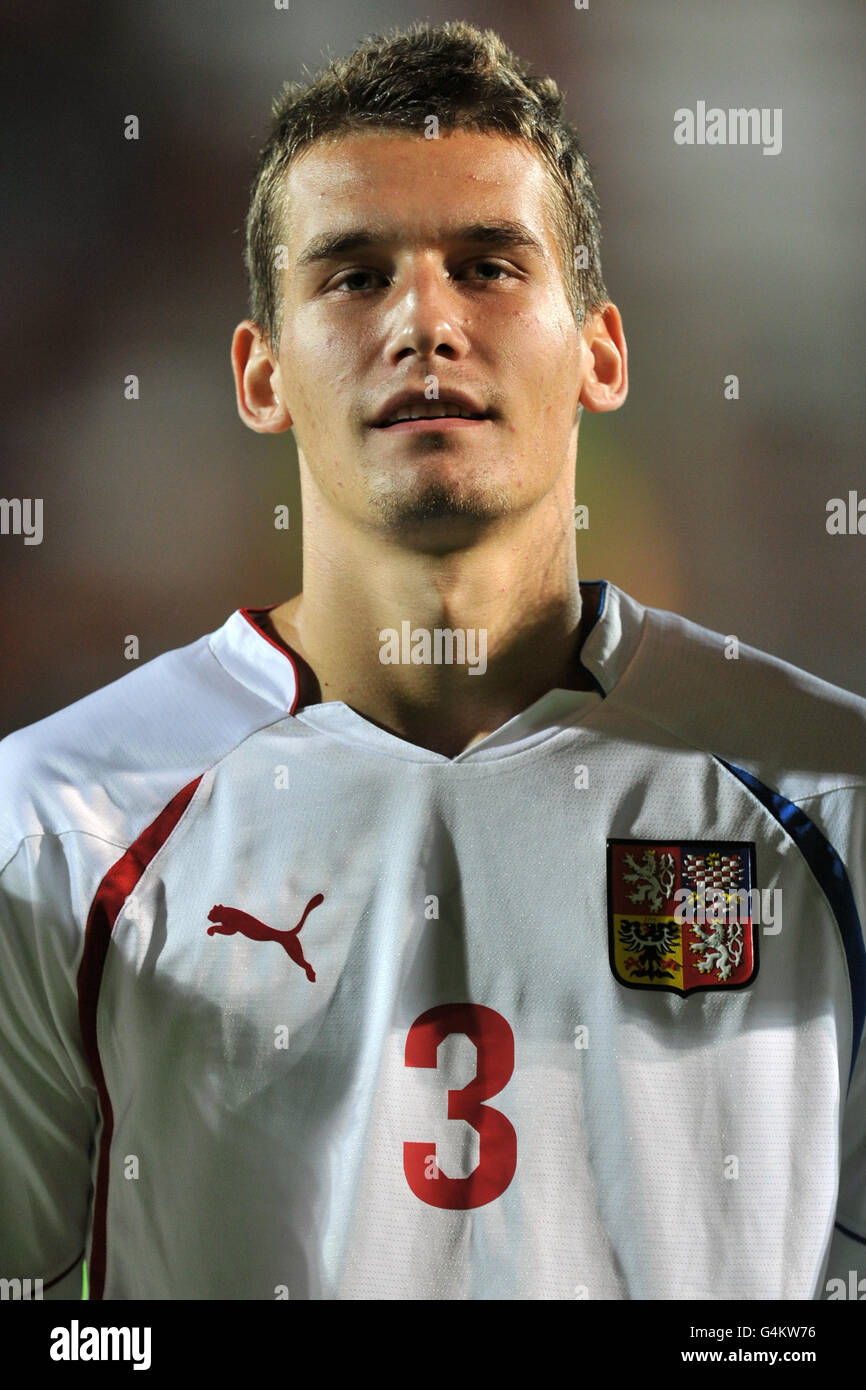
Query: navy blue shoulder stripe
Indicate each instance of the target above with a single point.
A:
(830, 873)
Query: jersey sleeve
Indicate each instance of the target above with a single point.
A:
(841, 816)
(47, 1095)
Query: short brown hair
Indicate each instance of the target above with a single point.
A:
(468, 80)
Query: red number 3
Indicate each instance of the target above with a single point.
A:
(497, 1158)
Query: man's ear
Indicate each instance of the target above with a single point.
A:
(605, 385)
(258, 381)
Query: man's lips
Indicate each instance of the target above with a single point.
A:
(441, 422)
(449, 404)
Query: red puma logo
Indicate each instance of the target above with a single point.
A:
(228, 920)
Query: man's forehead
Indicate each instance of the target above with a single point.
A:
(398, 181)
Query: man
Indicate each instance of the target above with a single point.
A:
(569, 899)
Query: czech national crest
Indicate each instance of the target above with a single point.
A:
(680, 914)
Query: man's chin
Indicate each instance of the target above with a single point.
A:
(443, 515)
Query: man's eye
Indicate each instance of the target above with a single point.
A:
(490, 265)
(343, 282)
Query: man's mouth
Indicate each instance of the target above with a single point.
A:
(412, 411)
(413, 424)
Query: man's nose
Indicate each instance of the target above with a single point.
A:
(425, 315)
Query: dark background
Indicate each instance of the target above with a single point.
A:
(124, 257)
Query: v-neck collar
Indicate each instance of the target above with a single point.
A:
(251, 656)
(538, 722)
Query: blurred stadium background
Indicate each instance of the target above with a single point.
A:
(122, 257)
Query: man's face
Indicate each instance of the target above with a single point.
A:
(448, 280)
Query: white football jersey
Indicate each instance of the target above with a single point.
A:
(292, 1007)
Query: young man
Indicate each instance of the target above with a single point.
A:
(571, 984)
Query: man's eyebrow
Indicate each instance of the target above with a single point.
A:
(504, 235)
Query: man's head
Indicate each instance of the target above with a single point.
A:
(434, 261)
(466, 80)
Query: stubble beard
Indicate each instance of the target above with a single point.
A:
(433, 503)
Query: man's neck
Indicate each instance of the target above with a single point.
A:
(513, 632)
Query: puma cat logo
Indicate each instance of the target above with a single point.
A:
(228, 920)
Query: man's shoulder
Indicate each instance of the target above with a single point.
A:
(109, 762)
(744, 705)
